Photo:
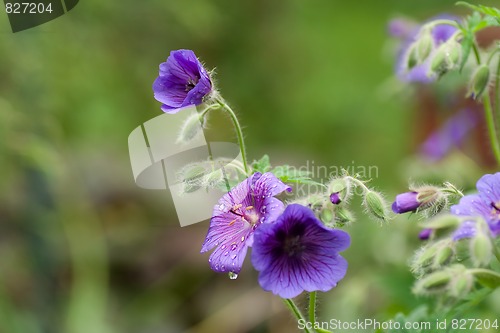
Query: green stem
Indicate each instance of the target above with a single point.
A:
(296, 312)
(488, 112)
(312, 307)
(239, 132)
(497, 91)
(492, 131)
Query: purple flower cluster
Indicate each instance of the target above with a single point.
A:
(292, 250)
(485, 204)
(182, 81)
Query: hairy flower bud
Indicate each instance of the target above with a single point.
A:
(443, 256)
(343, 215)
(434, 282)
(424, 45)
(375, 205)
(191, 176)
(481, 249)
(339, 189)
(479, 81)
(192, 126)
(446, 57)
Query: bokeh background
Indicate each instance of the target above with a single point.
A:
(83, 249)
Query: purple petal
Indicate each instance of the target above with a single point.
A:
(312, 261)
(335, 198)
(425, 234)
(488, 187)
(471, 205)
(466, 230)
(405, 202)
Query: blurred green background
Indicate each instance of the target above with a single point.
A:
(82, 249)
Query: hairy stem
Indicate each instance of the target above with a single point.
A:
(296, 312)
(239, 132)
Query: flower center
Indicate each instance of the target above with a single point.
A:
(247, 214)
(496, 209)
(293, 246)
(190, 84)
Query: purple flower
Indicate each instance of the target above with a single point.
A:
(237, 215)
(485, 204)
(420, 72)
(406, 202)
(182, 81)
(297, 253)
(450, 135)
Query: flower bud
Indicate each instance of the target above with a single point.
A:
(326, 216)
(479, 82)
(419, 198)
(375, 204)
(191, 176)
(446, 57)
(213, 179)
(192, 126)
(433, 282)
(481, 249)
(461, 285)
(339, 189)
(443, 256)
(343, 215)
(405, 202)
(424, 45)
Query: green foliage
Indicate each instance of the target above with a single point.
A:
(263, 165)
(490, 11)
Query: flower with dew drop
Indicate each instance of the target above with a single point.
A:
(237, 215)
(485, 204)
(298, 253)
(182, 81)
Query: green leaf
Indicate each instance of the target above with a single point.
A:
(491, 11)
(263, 165)
(289, 174)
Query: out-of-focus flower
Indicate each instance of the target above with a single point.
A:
(418, 46)
(450, 135)
(182, 81)
(485, 204)
(237, 215)
(298, 253)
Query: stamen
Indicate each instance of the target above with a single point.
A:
(232, 222)
(238, 206)
(249, 207)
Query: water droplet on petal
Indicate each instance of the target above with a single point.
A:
(221, 206)
(234, 247)
(223, 267)
(233, 257)
(226, 253)
(232, 275)
(242, 238)
(263, 209)
(223, 247)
